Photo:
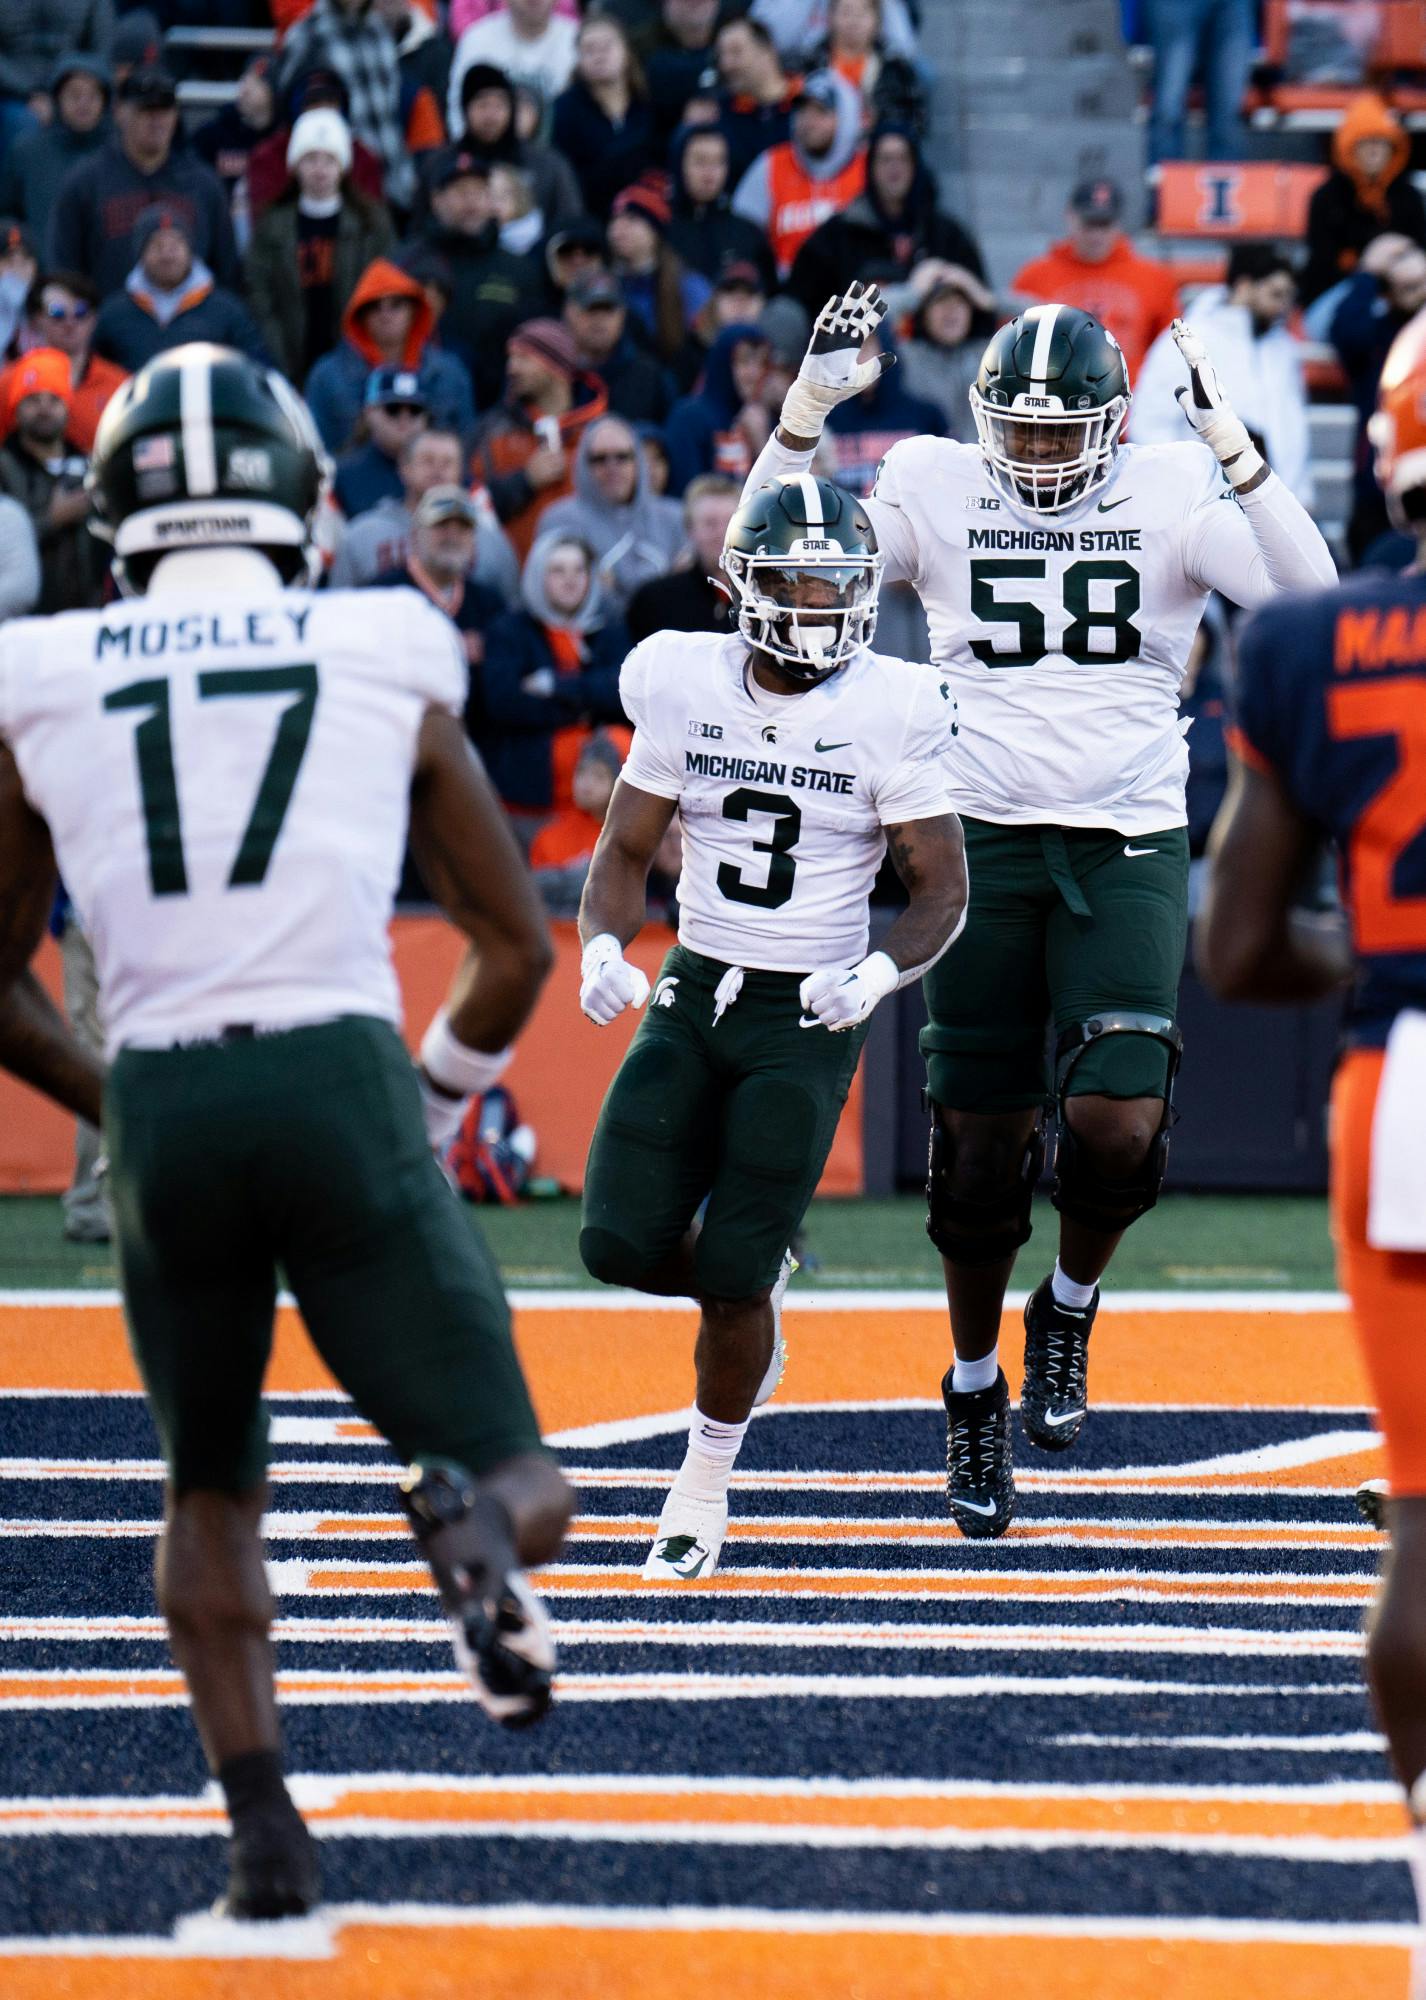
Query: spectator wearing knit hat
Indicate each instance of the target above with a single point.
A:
(662, 294)
(388, 322)
(38, 161)
(91, 225)
(526, 40)
(48, 482)
(62, 311)
(311, 247)
(525, 447)
(489, 132)
(490, 289)
(350, 37)
(268, 175)
(816, 171)
(169, 298)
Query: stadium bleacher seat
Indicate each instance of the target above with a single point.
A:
(1383, 41)
(1226, 200)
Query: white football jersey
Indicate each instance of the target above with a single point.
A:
(1065, 639)
(226, 781)
(782, 798)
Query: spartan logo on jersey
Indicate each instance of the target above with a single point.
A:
(769, 732)
(1050, 404)
(664, 994)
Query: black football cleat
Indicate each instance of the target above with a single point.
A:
(1372, 1498)
(273, 1869)
(499, 1629)
(980, 1477)
(1054, 1397)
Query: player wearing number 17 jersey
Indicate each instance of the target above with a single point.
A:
(1330, 743)
(793, 757)
(225, 768)
(1063, 575)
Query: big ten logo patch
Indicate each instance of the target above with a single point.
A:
(711, 729)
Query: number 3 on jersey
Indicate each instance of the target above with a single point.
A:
(776, 887)
(158, 782)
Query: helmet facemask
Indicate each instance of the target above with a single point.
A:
(1045, 458)
(809, 608)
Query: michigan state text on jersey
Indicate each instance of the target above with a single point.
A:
(225, 766)
(792, 756)
(1330, 744)
(1063, 575)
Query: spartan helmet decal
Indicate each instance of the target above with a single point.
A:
(205, 449)
(802, 559)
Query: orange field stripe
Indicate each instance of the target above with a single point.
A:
(376, 1962)
(802, 1583)
(646, 1357)
(1187, 1533)
(1349, 1819)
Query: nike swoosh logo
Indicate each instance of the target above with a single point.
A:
(833, 746)
(809, 1021)
(1108, 506)
(1067, 1417)
(977, 1506)
(1133, 851)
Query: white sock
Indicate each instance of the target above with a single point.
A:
(1067, 1292)
(971, 1375)
(708, 1462)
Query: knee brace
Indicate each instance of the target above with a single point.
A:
(980, 1228)
(1080, 1191)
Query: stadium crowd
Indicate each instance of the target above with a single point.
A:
(543, 277)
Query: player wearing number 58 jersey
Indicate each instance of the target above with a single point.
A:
(1330, 744)
(793, 757)
(1063, 575)
(224, 767)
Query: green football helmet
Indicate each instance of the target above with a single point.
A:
(205, 449)
(1050, 404)
(802, 559)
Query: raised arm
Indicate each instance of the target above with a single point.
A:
(831, 371)
(612, 909)
(1283, 548)
(35, 1041)
(1249, 942)
(929, 856)
(472, 866)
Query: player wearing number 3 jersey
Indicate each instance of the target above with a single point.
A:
(793, 757)
(1063, 575)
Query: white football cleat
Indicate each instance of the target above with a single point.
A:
(777, 1366)
(689, 1539)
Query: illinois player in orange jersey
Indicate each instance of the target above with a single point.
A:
(1331, 741)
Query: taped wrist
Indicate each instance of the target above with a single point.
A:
(805, 408)
(457, 1070)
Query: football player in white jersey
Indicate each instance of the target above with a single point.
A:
(794, 757)
(1063, 575)
(224, 768)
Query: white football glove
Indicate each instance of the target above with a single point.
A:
(840, 996)
(607, 982)
(831, 370)
(1211, 414)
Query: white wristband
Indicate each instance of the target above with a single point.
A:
(804, 410)
(880, 973)
(456, 1068)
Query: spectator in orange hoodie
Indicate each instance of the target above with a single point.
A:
(387, 324)
(1367, 194)
(1097, 269)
